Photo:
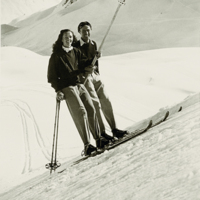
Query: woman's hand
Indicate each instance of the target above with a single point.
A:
(60, 96)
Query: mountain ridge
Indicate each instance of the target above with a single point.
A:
(138, 26)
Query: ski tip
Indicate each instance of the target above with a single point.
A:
(166, 116)
(149, 125)
(180, 109)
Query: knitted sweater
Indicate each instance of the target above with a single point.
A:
(62, 75)
(89, 49)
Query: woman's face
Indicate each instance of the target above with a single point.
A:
(67, 39)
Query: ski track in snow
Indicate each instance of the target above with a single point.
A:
(27, 115)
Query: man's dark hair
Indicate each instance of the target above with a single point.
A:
(83, 24)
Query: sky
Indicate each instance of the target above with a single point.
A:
(146, 82)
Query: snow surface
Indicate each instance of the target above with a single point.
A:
(12, 9)
(152, 82)
(163, 163)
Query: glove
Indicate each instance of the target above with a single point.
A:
(60, 96)
(90, 69)
(98, 54)
(74, 80)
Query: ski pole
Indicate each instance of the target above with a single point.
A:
(54, 164)
(101, 45)
(56, 139)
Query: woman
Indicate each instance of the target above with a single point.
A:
(65, 65)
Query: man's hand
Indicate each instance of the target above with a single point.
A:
(98, 54)
(90, 69)
(60, 96)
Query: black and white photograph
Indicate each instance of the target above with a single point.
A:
(100, 99)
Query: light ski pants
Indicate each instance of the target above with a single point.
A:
(82, 111)
(101, 101)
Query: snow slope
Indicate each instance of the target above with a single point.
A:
(163, 163)
(139, 25)
(11, 9)
(151, 80)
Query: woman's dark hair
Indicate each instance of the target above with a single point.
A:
(57, 46)
(83, 24)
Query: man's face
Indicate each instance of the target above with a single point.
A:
(67, 39)
(85, 33)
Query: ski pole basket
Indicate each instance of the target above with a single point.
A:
(54, 164)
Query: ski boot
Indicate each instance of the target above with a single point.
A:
(118, 133)
(108, 137)
(89, 149)
(101, 142)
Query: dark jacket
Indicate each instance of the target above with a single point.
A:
(89, 50)
(62, 75)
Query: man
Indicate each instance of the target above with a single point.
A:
(94, 85)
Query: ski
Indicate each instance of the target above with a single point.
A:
(162, 120)
(130, 136)
(127, 137)
(116, 143)
(139, 132)
(99, 151)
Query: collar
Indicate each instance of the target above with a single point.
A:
(67, 49)
(82, 42)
